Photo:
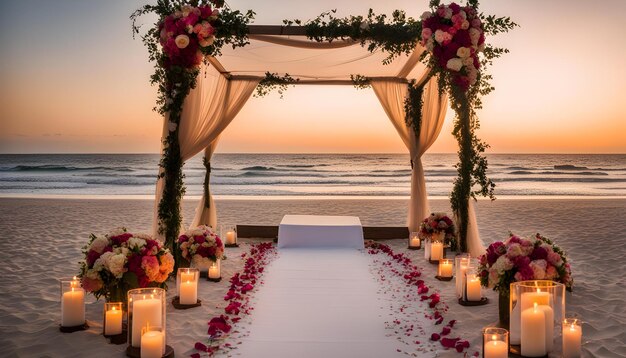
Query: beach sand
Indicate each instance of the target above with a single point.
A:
(41, 240)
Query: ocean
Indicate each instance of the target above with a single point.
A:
(326, 175)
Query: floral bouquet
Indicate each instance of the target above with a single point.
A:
(119, 261)
(454, 35)
(438, 224)
(201, 246)
(521, 259)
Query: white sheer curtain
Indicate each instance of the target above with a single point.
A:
(208, 110)
(391, 95)
(474, 244)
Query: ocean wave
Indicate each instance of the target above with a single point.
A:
(569, 167)
(60, 168)
(523, 172)
(562, 180)
(301, 165)
(258, 167)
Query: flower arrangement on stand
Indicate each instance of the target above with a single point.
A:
(521, 259)
(200, 247)
(119, 261)
(438, 227)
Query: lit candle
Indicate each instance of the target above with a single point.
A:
(436, 251)
(73, 306)
(231, 237)
(152, 344)
(495, 348)
(214, 270)
(533, 332)
(528, 299)
(549, 313)
(187, 276)
(473, 288)
(188, 292)
(144, 310)
(415, 241)
(572, 336)
(112, 322)
(445, 268)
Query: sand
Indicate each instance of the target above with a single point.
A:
(41, 240)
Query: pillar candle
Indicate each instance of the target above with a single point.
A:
(528, 299)
(436, 251)
(147, 310)
(427, 250)
(113, 322)
(572, 336)
(73, 307)
(549, 313)
(496, 349)
(230, 237)
(473, 288)
(188, 292)
(445, 268)
(152, 344)
(533, 332)
(214, 270)
(187, 276)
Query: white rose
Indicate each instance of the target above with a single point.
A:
(439, 36)
(104, 259)
(99, 244)
(454, 64)
(182, 41)
(503, 264)
(115, 264)
(117, 231)
(136, 243)
(474, 36)
(463, 52)
(426, 15)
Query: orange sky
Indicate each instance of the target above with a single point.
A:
(74, 82)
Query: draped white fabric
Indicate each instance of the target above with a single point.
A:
(391, 95)
(208, 110)
(474, 244)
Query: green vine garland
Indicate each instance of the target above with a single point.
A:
(273, 81)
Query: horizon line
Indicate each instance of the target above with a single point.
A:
(314, 153)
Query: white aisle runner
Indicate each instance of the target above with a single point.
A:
(318, 302)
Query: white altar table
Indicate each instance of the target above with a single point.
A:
(320, 231)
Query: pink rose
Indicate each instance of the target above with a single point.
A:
(426, 33)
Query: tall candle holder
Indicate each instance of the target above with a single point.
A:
(495, 342)
(72, 306)
(415, 243)
(230, 236)
(187, 289)
(215, 271)
(113, 322)
(461, 263)
(549, 297)
(146, 307)
(445, 269)
(427, 242)
(472, 291)
(572, 338)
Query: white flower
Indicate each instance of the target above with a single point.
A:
(439, 36)
(117, 231)
(426, 15)
(502, 264)
(474, 36)
(98, 244)
(468, 61)
(463, 52)
(182, 41)
(115, 264)
(207, 41)
(136, 242)
(454, 64)
(102, 261)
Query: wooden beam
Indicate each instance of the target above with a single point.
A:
(277, 30)
(369, 232)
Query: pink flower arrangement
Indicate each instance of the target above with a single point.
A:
(437, 223)
(522, 259)
(185, 33)
(119, 261)
(201, 246)
(454, 36)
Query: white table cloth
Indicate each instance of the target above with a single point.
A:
(320, 231)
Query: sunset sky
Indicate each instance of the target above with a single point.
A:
(72, 79)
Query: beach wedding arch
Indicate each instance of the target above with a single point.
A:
(209, 59)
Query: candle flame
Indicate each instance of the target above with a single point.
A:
(74, 278)
(538, 290)
(114, 308)
(188, 281)
(572, 327)
(535, 306)
(494, 337)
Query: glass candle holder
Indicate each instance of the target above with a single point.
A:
(436, 250)
(495, 342)
(113, 318)
(72, 303)
(152, 342)
(215, 270)
(187, 285)
(427, 243)
(572, 338)
(445, 268)
(537, 309)
(229, 236)
(146, 307)
(414, 241)
(461, 263)
(472, 290)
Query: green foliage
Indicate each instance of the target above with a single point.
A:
(413, 104)
(273, 81)
(360, 82)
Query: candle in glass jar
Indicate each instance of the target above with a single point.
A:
(214, 270)
(415, 241)
(188, 292)
(187, 276)
(496, 349)
(528, 299)
(152, 344)
(144, 310)
(533, 332)
(231, 237)
(73, 306)
(445, 268)
(436, 251)
(473, 288)
(113, 322)
(572, 337)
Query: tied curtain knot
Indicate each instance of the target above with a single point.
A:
(207, 178)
